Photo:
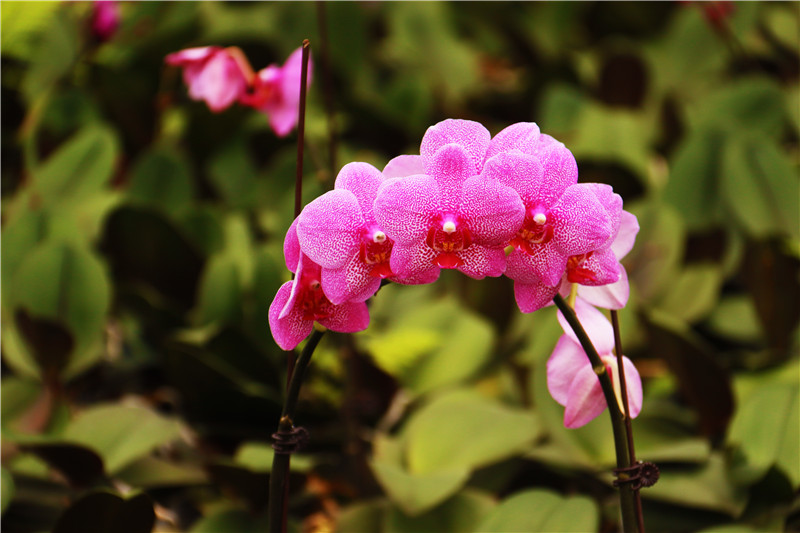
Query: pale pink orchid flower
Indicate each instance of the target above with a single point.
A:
(301, 302)
(105, 19)
(572, 381)
(339, 232)
(275, 91)
(451, 215)
(212, 74)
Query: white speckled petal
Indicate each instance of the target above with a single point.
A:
(472, 136)
(363, 180)
(290, 330)
(521, 136)
(406, 207)
(329, 228)
(352, 282)
(492, 211)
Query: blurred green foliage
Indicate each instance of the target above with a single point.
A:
(142, 244)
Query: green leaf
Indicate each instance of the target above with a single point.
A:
(363, 516)
(22, 24)
(752, 104)
(161, 177)
(693, 293)
(220, 295)
(66, 283)
(413, 493)
(541, 510)
(16, 395)
(428, 343)
(258, 458)
(709, 486)
(460, 430)
(20, 236)
(120, 434)
(765, 427)
(233, 174)
(735, 317)
(457, 514)
(80, 167)
(760, 187)
(150, 472)
(6, 489)
(224, 518)
(694, 181)
(53, 54)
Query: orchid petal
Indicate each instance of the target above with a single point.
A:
(351, 282)
(471, 136)
(521, 172)
(611, 296)
(580, 222)
(521, 136)
(411, 260)
(603, 266)
(562, 366)
(405, 207)
(492, 211)
(290, 330)
(482, 261)
(626, 236)
(546, 265)
(329, 228)
(594, 323)
(347, 318)
(291, 247)
(533, 296)
(363, 180)
(404, 165)
(450, 167)
(585, 399)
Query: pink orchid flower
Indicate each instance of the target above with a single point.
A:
(212, 74)
(105, 19)
(566, 224)
(276, 92)
(451, 216)
(614, 295)
(338, 231)
(301, 302)
(571, 379)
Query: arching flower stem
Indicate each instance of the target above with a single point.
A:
(627, 496)
(279, 475)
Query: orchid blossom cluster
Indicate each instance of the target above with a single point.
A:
(486, 206)
(223, 76)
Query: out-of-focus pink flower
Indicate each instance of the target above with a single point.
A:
(301, 302)
(571, 379)
(276, 92)
(564, 221)
(451, 216)
(212, 74)
(105, 19)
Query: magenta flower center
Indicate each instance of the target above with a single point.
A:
(576, 273)
(313, 302)
(376, 248)
(449, 236)
(536, 229)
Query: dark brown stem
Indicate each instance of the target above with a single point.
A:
(629, 429)
(627, 503)
(301, 131)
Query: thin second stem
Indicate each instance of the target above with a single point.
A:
(627, 498)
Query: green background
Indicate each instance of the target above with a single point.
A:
(142, 245)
